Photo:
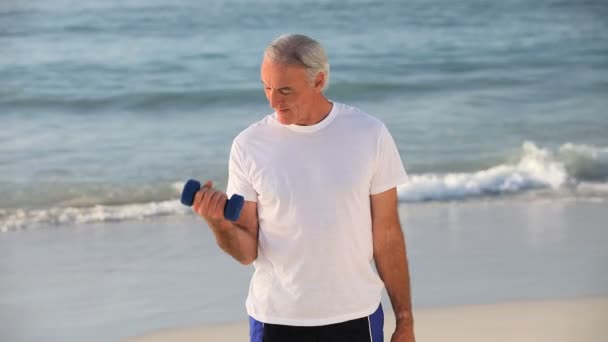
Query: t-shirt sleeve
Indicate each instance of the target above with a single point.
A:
(389, 167)
(238, 181)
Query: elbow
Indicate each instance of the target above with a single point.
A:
(247, 260)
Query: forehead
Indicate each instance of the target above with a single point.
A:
(274, 73)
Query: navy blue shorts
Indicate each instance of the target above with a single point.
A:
(365, 329)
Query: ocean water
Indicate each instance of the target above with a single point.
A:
(106, 108)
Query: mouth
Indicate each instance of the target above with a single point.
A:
(282, 110)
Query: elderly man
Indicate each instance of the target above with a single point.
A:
(319, 180)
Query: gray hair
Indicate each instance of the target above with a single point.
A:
(298, 49)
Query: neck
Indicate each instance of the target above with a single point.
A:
(318, 111)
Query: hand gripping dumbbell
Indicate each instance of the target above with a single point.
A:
(233, 207)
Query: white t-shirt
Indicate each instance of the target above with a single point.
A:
(312, 185)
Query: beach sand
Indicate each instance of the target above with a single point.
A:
(580, 319)
(109, 282)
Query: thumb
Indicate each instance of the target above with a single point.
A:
(208, 184)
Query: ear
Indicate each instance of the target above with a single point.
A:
(320, 81)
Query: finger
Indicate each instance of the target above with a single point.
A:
(199, 206)
(207, 194)
(213, 204)
(199, 195)
(221, 204)
(196, 203)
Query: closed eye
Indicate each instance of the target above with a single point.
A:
(282, 91)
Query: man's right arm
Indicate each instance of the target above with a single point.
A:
(239, 238)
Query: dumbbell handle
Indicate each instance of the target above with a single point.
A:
(233, 207)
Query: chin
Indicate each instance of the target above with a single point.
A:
(284, 119)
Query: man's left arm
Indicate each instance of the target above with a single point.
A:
(391, 261)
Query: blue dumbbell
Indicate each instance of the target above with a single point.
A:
(233, 208)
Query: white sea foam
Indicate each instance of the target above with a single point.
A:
(536, 168)
(22, 218)
(569, 171)
(592, 189)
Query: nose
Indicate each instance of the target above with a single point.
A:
(274, 98)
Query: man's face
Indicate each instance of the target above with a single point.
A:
(289, 92)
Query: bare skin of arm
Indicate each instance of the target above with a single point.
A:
(240, 238)
(391, 261)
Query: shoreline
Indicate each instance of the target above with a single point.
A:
(575, 319)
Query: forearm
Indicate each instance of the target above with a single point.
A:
(235, 240)
(392, 265)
